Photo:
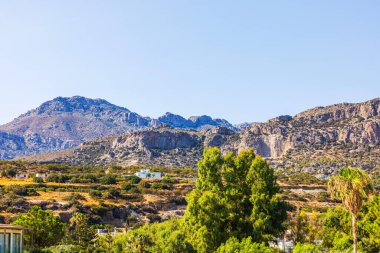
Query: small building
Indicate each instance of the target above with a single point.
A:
(322, 176)
(11, 238)
(146, 173)
(103, 232)
(22, 175)
(42, 175)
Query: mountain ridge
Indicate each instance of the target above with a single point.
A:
(65, 122)
(319, 140)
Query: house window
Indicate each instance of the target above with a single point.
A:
(9, 244)
(5, 242)
(16, 243)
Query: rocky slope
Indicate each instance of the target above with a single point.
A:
(64, 123)
(318, 140)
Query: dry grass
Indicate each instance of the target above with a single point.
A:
(12, 181)
(61, 197)
(152, 198)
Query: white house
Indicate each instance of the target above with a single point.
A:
(42, 175)
(22, 175)
(146, 173)
(322, 176)
(103, 232)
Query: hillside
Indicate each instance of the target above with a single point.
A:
(319, 140)
(64, 123)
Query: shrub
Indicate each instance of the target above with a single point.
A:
(306, 248)
(38, 180)
(246, 245)
(127, 186)
(160, 186)
(10, 172)
(21, 190)
(135, 179)
(95, 194)
(134, 197)
(153, 217)
(145, 184)
(114, 192)
(74, 197)
(109, 179)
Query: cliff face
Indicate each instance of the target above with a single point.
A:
(355, 124)
(64, 123)
(318, 139)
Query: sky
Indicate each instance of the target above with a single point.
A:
(245, 61)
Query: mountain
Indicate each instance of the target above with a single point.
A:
(319, 140)
(64, 123)
(194, 122)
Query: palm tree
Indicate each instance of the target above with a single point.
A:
(351, 186)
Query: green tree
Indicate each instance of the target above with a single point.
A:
(352, 186)
(245, 246)
(369, 225)
(80, 230)
(235, 196)
(109, 179)
(306, 248)
(45, 228)
(299, 227)
(165, 237)
(38, 180)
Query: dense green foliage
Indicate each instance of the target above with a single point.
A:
(369, 225)
(306, 248)
(244, 246)
(167, 237)
(234, 208)
(81, 232)
(45, 228)
(352, 186)
(235, 196)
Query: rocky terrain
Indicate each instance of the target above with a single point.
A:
(319, 140)
(64, 123)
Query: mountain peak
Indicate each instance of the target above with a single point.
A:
(74, 104)
(65, 122)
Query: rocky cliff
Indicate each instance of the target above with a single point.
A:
(64, 123)
(319, 140)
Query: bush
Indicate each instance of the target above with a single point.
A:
(74, 197)
(169, 180)
(38, 180)
(109, 179)
(65, 249)
(127, 186)
(153, 217)
(160, 186)
(21, 190)
(245, 246)
(114, 192)
(95, 194)
(134, 197)
(10, 172)
(134, 179)
(306, 248)
(145, 184)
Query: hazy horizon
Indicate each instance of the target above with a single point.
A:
(245, 62)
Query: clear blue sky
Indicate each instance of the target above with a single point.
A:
(238, 60)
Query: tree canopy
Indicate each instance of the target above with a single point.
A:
(235, 196)
(45, 228)
(352, 186)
